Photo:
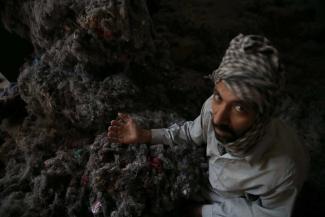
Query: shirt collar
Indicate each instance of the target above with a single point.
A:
(264, 145)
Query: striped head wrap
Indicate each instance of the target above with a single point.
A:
(250, 68)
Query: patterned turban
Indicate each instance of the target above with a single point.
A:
(251, 69)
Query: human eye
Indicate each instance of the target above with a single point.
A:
(217, 97)
(240, 108)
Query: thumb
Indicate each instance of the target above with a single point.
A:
(123, 116)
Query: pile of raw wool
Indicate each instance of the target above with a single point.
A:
(91, 60)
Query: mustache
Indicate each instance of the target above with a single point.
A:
(224, 128)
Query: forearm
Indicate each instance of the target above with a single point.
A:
(160, 136)
(189, 132)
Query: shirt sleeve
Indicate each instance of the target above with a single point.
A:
(278, 203)
(188, 132)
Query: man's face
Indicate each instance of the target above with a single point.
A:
(231, 116)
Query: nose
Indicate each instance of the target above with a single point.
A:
(220, 115)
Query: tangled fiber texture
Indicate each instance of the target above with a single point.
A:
(88, 56)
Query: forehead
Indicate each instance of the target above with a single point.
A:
(225, 93)
(228, 96)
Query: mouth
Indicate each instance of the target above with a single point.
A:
(223, 136)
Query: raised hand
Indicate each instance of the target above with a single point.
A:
(125, 130)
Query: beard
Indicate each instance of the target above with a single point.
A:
(224, 133)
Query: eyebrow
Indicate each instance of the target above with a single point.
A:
(215, 91)
(239, 101)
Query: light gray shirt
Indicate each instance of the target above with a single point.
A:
(263, 183)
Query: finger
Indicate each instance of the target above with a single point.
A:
(116, 129)
(125, 117)
(109, 129)
(112, 134)
(116, 123)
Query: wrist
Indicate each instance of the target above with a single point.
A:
(145, 136)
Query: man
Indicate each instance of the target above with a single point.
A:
(256, 162)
